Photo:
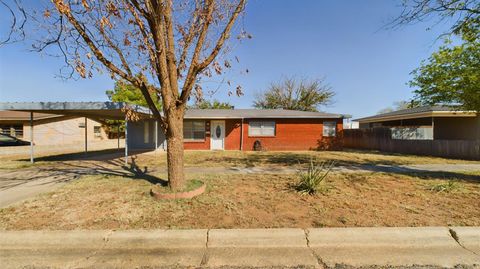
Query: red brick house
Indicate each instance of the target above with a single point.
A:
(238, 129)
(211, 129)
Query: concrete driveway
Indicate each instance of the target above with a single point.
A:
(17, 186)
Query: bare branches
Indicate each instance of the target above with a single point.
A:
(462, 12)
(156, 45)
(16, 25)
(65, 10)
(225, 34)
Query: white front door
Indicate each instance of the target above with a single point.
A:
(217, 134)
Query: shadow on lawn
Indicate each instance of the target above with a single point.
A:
(286, 159)
(107, 162)
(96, 155)
(296, 158)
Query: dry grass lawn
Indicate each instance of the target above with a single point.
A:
(255, 201)
(229, 158)
(251, 158)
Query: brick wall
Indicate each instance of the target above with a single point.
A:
(294, 134)
(291, 134)
(232, 137)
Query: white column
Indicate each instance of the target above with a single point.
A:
(118, 135)
(31, 137)
(156, 135)
(86, 133)
(126, 140)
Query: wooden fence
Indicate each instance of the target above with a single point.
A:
(380, 139)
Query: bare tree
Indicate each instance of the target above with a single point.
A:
(462, 13)
(290, 93)
(162, 47)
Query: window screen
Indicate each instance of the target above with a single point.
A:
(194, 130)
(329, 128)
(261, 128)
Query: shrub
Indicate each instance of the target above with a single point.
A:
(448, 186)
(311, 180)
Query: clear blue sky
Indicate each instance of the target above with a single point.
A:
(340, 40)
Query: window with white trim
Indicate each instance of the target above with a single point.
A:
(329, 128)
(194, 130)
(261, 128)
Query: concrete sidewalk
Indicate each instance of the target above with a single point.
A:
(309, 248)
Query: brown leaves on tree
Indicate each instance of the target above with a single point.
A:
(80, 68)
(61, 6)
(131, 114)
(126, 41)
(46, 14)
(105, 22)
(113, 10)
(217, 68)
(85, 5)
(198, 92)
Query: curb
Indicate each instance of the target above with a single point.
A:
(318, 248)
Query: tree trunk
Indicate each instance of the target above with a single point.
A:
(176, 176)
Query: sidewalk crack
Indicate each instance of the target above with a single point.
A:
(455, 237)
(320, 262)
(205, 254)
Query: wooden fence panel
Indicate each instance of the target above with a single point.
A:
(380, 139)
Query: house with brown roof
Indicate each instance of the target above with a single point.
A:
(246, 129)
(428, 123)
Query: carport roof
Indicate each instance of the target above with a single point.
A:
(419, 112)
(115, 110)
(94, 110)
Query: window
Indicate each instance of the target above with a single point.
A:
(97, 131)
(412, 133)
(261, 128)
(194, 130)
(329, 128)
(15, 130)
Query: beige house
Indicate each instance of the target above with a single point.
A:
(50, 129)
(427, 123)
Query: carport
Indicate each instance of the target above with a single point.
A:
(99, 111)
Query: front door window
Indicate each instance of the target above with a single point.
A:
(218, 131)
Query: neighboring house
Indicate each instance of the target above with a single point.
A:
(427, 123)
(239, 129)
(50, 129)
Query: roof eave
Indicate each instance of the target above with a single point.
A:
(264, 117)
(418, 115)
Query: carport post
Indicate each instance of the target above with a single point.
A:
(118, 135)
(31, 137)
(156, 135)
(126, 140)
(86, 143)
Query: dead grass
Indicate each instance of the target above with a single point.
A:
(221, 158)
(294, 158)
(252, 201)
